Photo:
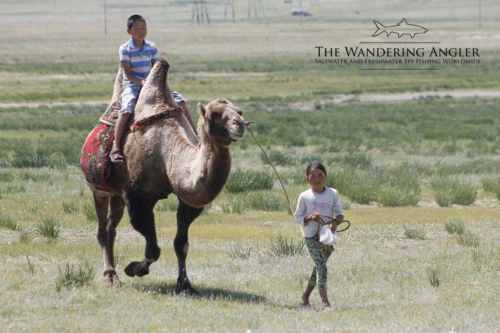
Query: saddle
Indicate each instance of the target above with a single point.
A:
(94, 158)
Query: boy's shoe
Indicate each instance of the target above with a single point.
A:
(116, 156)
(305, 305)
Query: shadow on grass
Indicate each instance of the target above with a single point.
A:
(205, 293)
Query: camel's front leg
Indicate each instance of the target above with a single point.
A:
(142, 219)
(185, 215)
(106, 233)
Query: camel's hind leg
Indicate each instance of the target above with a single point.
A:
(142, 219)
(185, 216)
(106, 233)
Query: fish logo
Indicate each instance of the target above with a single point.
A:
(402, 28)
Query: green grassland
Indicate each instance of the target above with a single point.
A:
(419, 179)
(381, 278)
(62, 53)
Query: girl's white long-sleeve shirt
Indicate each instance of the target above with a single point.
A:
(326, 203)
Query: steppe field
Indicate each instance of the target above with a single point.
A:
(413, 150)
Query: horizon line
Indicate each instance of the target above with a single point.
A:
(399, 42)
(399, 69)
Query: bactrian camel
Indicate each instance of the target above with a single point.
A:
(166, 157)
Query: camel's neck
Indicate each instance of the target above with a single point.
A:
(198, 174)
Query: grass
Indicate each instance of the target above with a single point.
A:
(469, 239)
(450, 191)
(6, 177)
(492, 185)
(240, 251)
(247, 180)
(24, 235)
(30, 267)
(415, 232)
(478, 258)
(282, 246)
(34, 176)
(89, 211)
(7, 221)
(397, 197)
(355, 160)
(455, 227)
(72, 276)
(169, 205)
(265, 287)
(49, 227)
(69, 207)
(268, 201)
(434, 275)
(382, 157)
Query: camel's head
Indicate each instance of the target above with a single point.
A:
(222, 121)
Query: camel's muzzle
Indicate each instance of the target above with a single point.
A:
(237, 130)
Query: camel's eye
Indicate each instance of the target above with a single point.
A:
(215, 117)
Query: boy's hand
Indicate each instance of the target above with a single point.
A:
(143, 82)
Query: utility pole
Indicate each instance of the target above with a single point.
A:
(228, 3)
(105, 19)
(479, 16)
(206, 11)
(253, 4)
(200, 6)
(300, 7)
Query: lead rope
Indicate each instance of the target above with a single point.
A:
(248, 124)
(322, 222)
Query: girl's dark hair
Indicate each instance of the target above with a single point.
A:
(315, 165)
(134, 18)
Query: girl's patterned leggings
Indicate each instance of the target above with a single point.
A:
(319, 253)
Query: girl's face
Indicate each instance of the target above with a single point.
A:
(317, 179)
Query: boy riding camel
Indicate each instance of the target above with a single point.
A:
(137, 57)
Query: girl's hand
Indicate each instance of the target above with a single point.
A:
(143, 82)
(333, 226)
(313, 217)
(336, 222)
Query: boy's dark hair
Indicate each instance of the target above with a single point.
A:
(315, 165)
(134, 18)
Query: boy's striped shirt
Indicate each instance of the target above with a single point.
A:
(140, 60)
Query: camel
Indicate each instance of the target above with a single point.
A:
(163, 158)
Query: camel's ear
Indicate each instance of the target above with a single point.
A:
(201, 110)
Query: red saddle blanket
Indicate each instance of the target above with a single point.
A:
(94, 156)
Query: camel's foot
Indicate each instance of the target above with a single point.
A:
(136, 268)
(111, 279)
(186, 288)
(112, 282)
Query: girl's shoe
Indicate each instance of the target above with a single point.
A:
(327, 309)
(305, 305)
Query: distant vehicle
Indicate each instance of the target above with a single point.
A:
(300, 12)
